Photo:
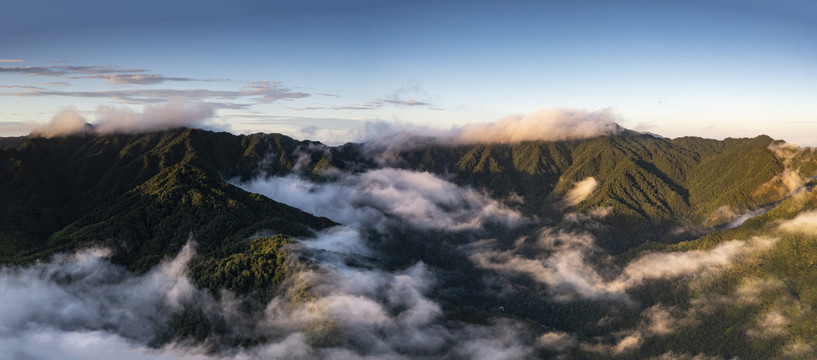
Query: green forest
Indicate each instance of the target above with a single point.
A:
(650, 259)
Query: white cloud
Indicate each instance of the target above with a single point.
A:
(66, 122)
(84, 297)
(565, 269)
(372, 199)
(580, 191)
(804, 223)
(674, 264)
(541, 125)
(557, 340)
(153, 117)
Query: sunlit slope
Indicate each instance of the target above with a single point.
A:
(653, 186)
(761, 306)
(140, 194)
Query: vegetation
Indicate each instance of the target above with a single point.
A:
(145, 195)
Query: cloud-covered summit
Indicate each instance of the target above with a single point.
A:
(542, 125)
(112, 120)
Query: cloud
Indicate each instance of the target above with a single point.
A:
(682, 356)
(580, 191)
(503, 340)
(153, 118)
(67, 71)
(408, 102)
(258, 92)
(557, 341)
(10, 61)
(565, 269)
(84, 292)
(111, 74)
(541, 125)
(56, 83)
(112, 119)
(384, 140)
(789, 181)
(80, 306)
(137, 79)
(371, 199)
(659, 320)
(408, 94)
(804, 223)
(785, 151)
(66, 122)
(771, 324)
(674, 264)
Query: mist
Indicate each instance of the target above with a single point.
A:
(580, 191)
(381, 197)
(564, 264)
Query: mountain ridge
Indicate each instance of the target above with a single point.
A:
(588, 213)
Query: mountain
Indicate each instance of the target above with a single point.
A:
(653, 186)
(622, 246)
(143, 194)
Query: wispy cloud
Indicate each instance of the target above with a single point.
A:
(56, 83)
(257, 92)
(10, 61)
(137, 79)
(111, 74)
(580, 191)
(409, 102)
(377, 198)
(67, 70)
(568, 273)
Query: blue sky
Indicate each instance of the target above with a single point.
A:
(325, 69)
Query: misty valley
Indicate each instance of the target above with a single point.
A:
(594, 242)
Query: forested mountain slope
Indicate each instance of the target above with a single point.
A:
(261, 246)
(143, 194)
(653, 186)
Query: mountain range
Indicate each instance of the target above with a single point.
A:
(189, 242)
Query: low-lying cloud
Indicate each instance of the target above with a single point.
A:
(80, 306)
(376, 198)
(580, 191)
(84, 294)
(803, 223)
(566, 270)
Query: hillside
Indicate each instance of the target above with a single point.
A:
(653, 186)
(143, 194)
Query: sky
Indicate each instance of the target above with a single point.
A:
(338, 71)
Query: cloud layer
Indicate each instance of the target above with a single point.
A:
(376, 198)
